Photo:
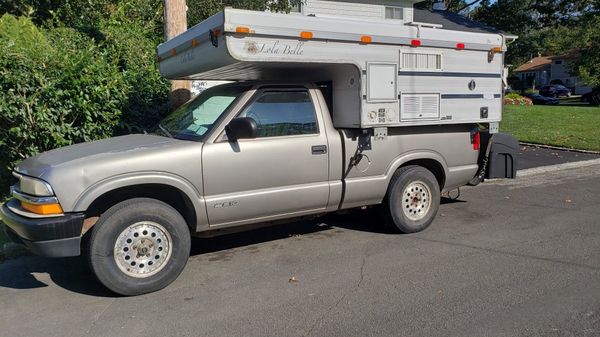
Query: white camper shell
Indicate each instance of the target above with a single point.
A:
(382, 73)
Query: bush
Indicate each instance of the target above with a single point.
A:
(130, 39)
(516, 99)
(56, 88)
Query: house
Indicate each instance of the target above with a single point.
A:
(544, 70)
(402, 11)
(399, 10)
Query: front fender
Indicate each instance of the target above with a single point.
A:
(138, 178)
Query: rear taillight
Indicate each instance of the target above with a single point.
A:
(476, 140)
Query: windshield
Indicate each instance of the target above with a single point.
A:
(196, 117)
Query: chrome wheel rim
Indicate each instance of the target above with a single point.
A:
(143, 249)
(416, 200)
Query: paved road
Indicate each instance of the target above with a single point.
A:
(518, 258)
(534, 156)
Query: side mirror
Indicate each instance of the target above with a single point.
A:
(241, 128)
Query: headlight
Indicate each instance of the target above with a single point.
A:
(33, 186)
(36, 196)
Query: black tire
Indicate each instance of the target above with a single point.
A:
(130, 215)
(393, 209)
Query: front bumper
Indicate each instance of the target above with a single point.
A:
(50, 236)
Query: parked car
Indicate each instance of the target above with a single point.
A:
(555, 90)
(538, 99)
(592, 97)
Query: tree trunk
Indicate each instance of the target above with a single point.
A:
(175, 24)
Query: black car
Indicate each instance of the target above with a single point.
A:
(555, 90)
(538, 99)
(592, 97)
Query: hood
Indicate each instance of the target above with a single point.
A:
(38, 165)
(74, 170)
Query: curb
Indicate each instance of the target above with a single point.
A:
(551, 147)
(557, 167)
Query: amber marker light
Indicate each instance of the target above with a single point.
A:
(242, 30)
(496, 50)
(366, 39)
(306, 35)
(43, 209)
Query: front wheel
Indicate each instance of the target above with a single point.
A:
(139, 246)
(412, 199)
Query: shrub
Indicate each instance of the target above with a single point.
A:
(56, 88)
(516, 99)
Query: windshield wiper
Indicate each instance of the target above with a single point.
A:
(162, 128)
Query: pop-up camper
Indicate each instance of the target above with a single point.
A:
(382, 73)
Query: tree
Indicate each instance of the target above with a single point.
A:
(176, 23)
(549, 27)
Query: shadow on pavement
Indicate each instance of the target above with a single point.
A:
(73, 274)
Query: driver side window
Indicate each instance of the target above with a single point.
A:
(282, 113)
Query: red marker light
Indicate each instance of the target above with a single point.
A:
(415, 43)
(460, 46)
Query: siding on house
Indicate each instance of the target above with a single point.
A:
(349, 8)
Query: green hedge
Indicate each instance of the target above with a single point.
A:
(62, 85)
(56, 88)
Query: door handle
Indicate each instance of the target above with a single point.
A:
(319, 149)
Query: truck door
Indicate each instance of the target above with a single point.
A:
(281, 173)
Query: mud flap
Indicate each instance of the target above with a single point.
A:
(502, 158)
(497, 158)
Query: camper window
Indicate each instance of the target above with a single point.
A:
(421, 61)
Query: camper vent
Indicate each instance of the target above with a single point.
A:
(420, 106)
(421, 61)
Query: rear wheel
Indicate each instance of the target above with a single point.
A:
(412, 199)
(139, 246)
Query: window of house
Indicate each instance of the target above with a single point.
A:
(283, 113)
(421, 61)
(295, 6)
(394, 13)
(558, 62)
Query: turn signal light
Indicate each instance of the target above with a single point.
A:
(415, 43)
(44, 209)
(306, 35)
(366, 39)
(195, 43)
(243, 30)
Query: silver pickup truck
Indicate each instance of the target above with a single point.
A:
(238, 154)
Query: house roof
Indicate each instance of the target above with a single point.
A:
(535, 64)
(454, 21)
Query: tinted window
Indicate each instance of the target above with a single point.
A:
(282, 113)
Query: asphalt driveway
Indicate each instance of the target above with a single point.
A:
(509, 258)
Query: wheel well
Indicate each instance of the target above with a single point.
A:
(433, 166)
(165, 193)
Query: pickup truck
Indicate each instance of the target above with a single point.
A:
(238, 154)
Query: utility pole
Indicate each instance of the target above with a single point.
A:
(175, 24)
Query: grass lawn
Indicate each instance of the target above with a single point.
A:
(576, 127)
